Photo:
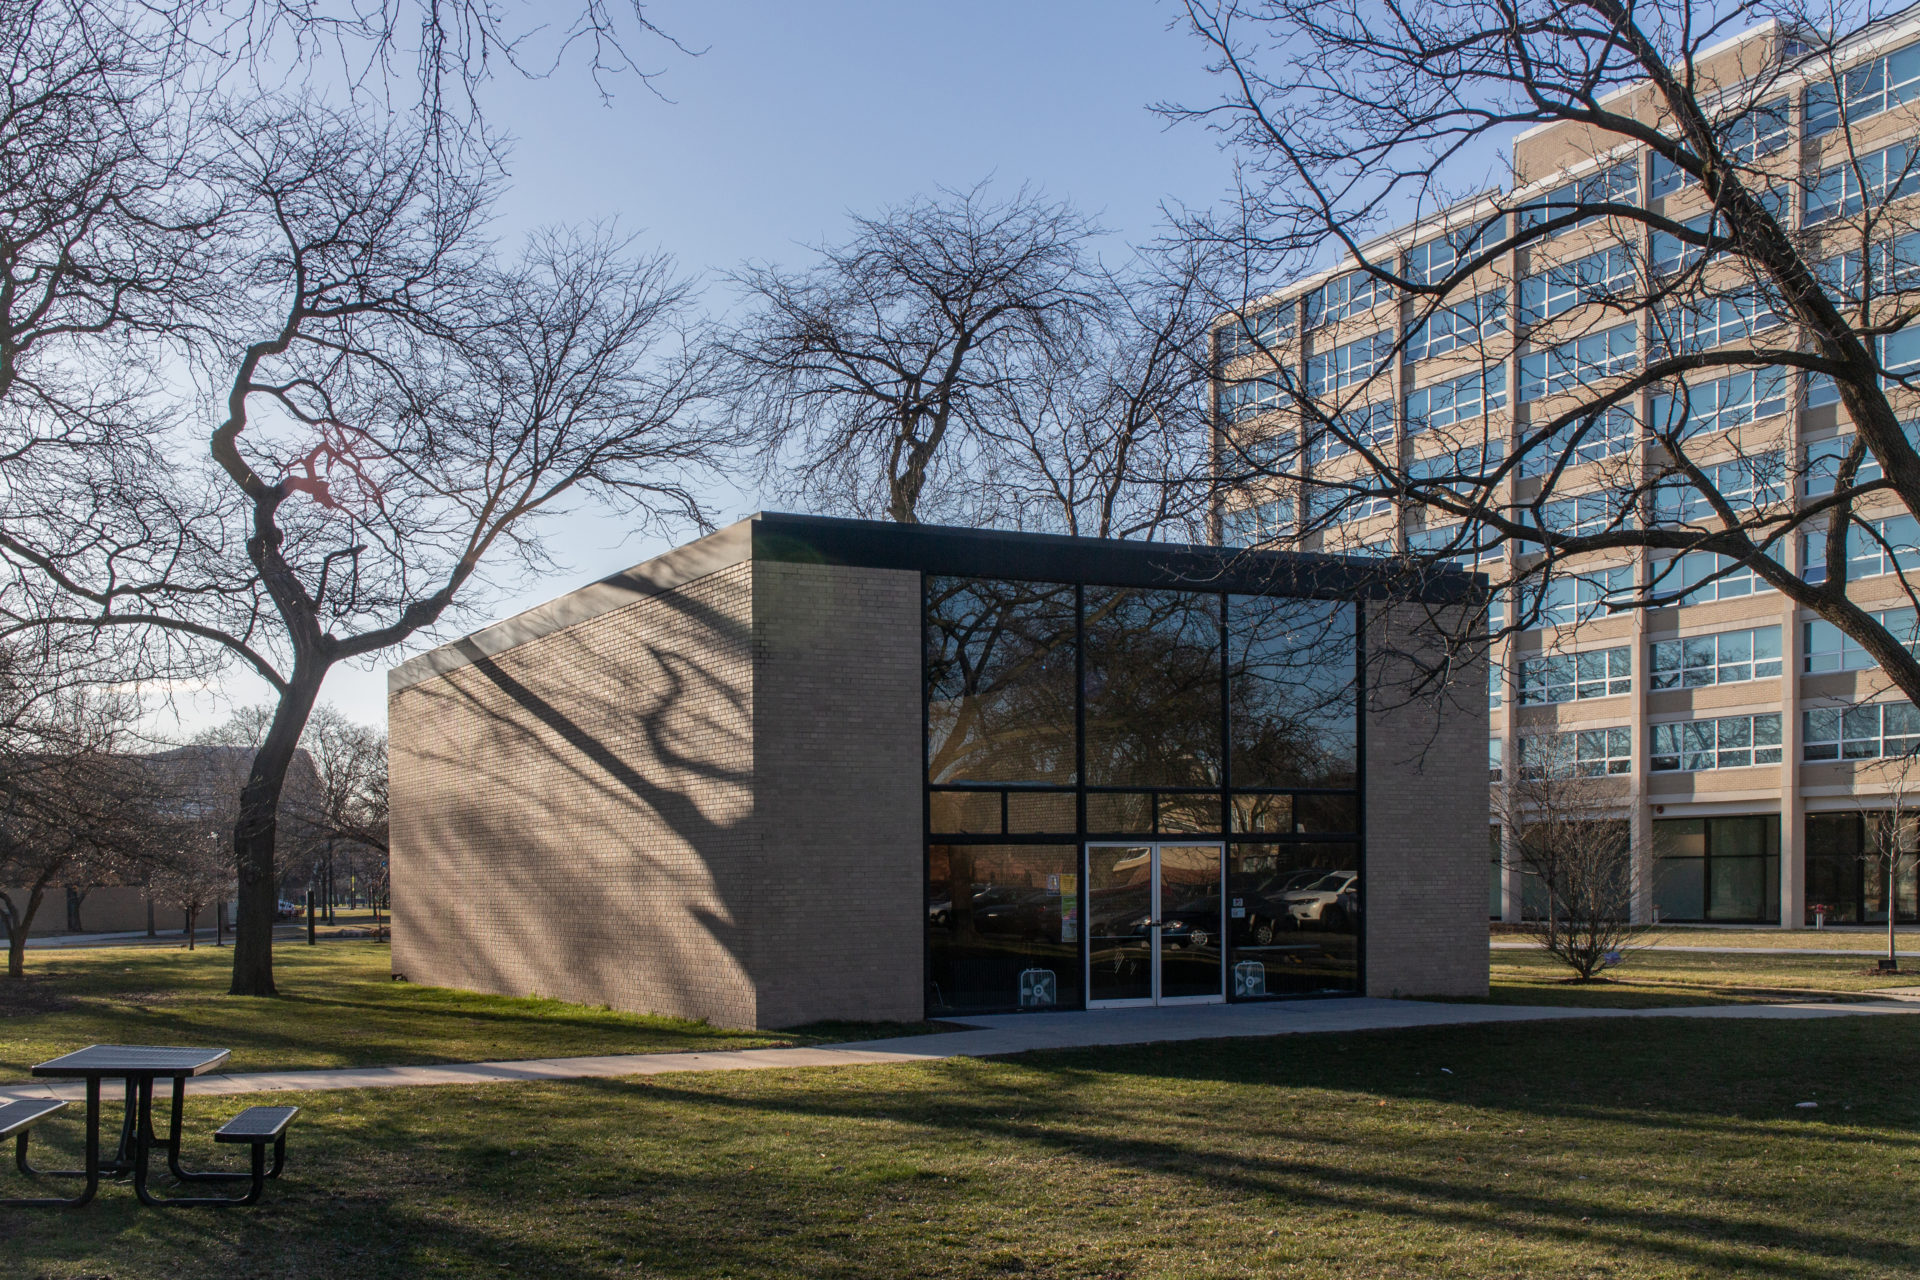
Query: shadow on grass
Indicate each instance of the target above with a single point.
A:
(1082, 1163)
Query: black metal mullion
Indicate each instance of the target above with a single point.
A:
(1082, 855)
(1360, 777)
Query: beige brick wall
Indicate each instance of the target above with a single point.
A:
(703, 803)
(1426, 817)
(840, 925)
(574, 817)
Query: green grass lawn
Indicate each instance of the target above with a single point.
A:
(337, 1007)
(1653, 978)
(1665, 1148)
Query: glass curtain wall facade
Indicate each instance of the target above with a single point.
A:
(1097, 753)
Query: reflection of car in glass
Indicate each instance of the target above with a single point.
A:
(1026, 913)
(1331, 902)
(1194, 923)
(1263, 900)
(1003, 909)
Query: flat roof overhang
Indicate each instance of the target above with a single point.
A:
(785, 538)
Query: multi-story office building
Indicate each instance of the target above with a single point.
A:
(1751, 741)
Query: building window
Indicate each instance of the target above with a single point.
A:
(1828, 648)
(1867, 732)
(1494, 685)
(1255, 333)
(1497, 899)
(1456, 400)
(1581, 753)
(1370, 425)
(1462, 545)
(1346, 296)
(1578, 361)
(1727, 657)
(1464, 324)
(1850, 186)
(1259, 524)
(1567, 677)
(1729, 742)
(1847, 870)
(1720, 403)
(1704, 323)
(1825, 457)
(1874, 547)
(1700, 577)
(1355, 293)
(1615, 184)
(1747, 484)
(1717, 869)
(1461, 470)
(1435, 260)
(1668, 253)
(1864, 91)
(1587, 513)
(1246, 398)
(1890, 265)
(1493, 759)
(1760, 131)
(1348, 364)
(1605, 435)
(1565, 599)
(1607, 275)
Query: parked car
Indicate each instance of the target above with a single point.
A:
(1331, 902)
(284, 910)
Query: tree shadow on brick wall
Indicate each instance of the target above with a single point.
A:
(583, 787)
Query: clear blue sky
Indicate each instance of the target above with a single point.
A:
(796, 114)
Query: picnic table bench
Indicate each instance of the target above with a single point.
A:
(138, 1066)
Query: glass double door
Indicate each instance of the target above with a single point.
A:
(1154, 923)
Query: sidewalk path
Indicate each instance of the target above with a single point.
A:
(990, 1037)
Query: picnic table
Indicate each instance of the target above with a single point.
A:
(139, 1066)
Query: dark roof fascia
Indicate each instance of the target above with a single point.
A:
(784, 538)
(1047, 557)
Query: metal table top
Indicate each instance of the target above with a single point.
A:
(125, 1061)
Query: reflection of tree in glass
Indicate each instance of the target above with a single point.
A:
(1152, 688)
(1000, 670)
(1291, 692)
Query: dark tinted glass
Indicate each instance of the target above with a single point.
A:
(1003, 927)
(1152, 688)
(1293, 911)
(1835, 878)
(1291, 692)
(1000, 671)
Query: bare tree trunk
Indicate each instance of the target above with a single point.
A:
(193, 918)
(19, 922)
(254, 833)
(1893, 901)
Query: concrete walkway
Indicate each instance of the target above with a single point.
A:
(989, 1037)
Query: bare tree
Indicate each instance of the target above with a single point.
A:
(192, 874)
(1894, 844)
(399, 407)
(1110, 436)
(73, 806)
(1740, 248)
(876, 371)
(1573, 840)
